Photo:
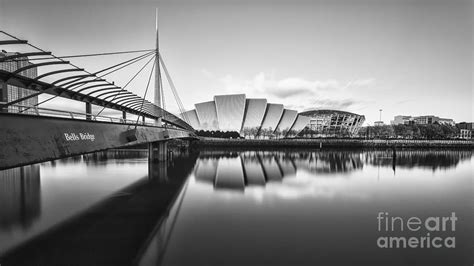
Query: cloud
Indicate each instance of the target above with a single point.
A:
(296, 92)
(404, 101)
(290, 87)
(361, 82)
(207, 73)
(342, 104)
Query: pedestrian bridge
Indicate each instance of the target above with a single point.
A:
(31, 134)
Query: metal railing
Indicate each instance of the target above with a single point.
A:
(41, 111)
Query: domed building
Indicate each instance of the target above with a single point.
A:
(331, 123)
(250, 117)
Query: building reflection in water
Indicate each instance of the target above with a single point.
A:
(231, 170)
(235, 170)
(20, 196)
(432, 159)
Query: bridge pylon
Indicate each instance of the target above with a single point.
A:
(157, 151)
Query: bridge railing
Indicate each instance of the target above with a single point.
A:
(41, 111)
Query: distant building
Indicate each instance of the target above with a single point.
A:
(10, 93)
(421, 120)
(379, 123)
(402, 120)
(446, 121)
(327, 123)
(466, 130)
(251, 118)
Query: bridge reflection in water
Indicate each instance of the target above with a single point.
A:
(135, 224)
(112, 231)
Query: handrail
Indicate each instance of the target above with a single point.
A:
(73, 114)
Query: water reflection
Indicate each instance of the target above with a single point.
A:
(295, 203)
(236, 170)
(431, 159)
(20, 196)
(119, 226)
(314, 208)
(130, 156)
(232, 170)
(33, 198)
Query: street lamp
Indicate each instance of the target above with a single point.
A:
(380, 118)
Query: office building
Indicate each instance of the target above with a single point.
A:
(421, 120)
(10, 93)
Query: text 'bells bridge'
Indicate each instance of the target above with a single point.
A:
(30, 134)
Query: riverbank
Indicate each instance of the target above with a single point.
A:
(333, 143)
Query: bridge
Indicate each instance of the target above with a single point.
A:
(31, 134)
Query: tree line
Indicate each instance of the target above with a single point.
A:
(413, 131)
(218, 134)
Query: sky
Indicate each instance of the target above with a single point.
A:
(406, 57)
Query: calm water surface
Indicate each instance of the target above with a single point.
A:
(259, 207)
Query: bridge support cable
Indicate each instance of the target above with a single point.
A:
(123, 88)
(149, 109)
(97, 54)
(125, 64)
(120, 65)
(146, 91)
(60, 60)
(173, 89)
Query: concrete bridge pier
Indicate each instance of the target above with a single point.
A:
(157, 151)
(158, 172)
(157, 161)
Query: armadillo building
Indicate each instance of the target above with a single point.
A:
(252, 118)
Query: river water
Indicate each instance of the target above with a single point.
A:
(280, 207)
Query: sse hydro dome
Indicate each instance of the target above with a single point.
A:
(252, 118)
(332, 123)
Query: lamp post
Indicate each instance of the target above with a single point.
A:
(380, 118)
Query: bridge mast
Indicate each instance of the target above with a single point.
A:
(157, 151)
(157, 72)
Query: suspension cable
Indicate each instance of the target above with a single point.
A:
(54, 57)
(173, 89)
(127, 63)
(89, 55)
(123, 88)
(146, 90)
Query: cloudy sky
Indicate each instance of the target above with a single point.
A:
(409, 57)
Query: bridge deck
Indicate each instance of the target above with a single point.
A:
(26, 139)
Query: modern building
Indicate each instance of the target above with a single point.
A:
(466, 130)
(402, 120)
(10, 93)
(327, 123)
(421, 120)
(252, 118)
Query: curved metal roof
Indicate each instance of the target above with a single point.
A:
(326, 112)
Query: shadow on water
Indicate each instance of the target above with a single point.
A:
(113, 231)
